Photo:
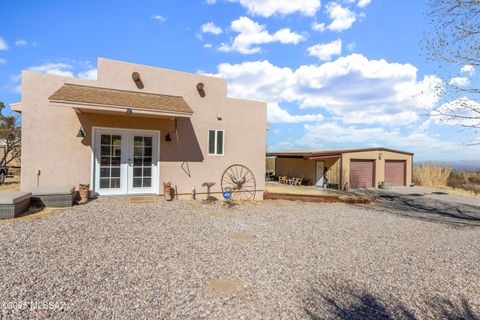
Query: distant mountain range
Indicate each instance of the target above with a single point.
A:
(455, 165)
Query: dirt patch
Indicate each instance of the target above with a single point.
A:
(142, 199)
(33, 214)
(11, 184)
(215, 214)
(226, 285)
(241, 236)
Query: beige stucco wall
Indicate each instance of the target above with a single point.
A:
(379, 164)
(49, 141)
(296, 167)
(306, 168)
(333, 170)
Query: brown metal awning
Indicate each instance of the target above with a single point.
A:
(97, 99)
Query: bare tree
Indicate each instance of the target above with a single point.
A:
(10, 137)
(453, 41)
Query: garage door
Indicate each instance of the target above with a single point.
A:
(395, 172)
(362, 173)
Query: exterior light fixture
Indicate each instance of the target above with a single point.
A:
(129, 111)
(380, 156)
(81, 133)
(167, 137)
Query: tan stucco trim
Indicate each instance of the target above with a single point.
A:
(17, 106)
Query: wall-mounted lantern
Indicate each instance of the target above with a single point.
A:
(81, 133)
(201, 89)
(380, 156)
(168, 137)
(129, 111)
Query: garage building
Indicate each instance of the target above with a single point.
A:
(346, 168)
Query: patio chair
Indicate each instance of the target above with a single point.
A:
(282, 179)
(297, 181)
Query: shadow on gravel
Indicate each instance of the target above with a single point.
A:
(425, 208)
(329, 299)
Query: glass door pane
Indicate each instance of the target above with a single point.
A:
(142, 161)
(110, 161)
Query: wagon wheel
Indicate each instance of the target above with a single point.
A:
(240, 181)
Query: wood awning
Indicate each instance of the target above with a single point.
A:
(98, 99)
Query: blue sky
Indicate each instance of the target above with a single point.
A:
(346, 73)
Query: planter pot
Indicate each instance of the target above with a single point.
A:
(84, 191)
(167, 191)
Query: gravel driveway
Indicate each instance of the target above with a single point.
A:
(278, 260)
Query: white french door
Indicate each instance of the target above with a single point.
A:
(126, 161)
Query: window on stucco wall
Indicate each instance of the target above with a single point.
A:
(216, 142)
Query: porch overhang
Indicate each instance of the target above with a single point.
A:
(304, 155)
(331, 156)
(86, 99)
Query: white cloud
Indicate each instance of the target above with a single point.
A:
(468, 68)
(65, 70)
(259, 80)
(21, 43)
(320, 27)
(373, 136)
(159, 18)
(342, 18)
(3, 44)
(276, 114)
(60, 69)
(459, 81)
(363, 3)
(3, 61)
(251, 34)
(210, 27)
(353, 89)
(90, 74)
(207, 45)
(459, 112)
(351, 46)
(325, 52)
(267, 8)
(286, 36)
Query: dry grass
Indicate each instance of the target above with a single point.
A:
(466, 180)
(33, 214)
(429, 175)
(11, 184)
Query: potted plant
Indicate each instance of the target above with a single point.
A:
(84, 191)
(167, 191)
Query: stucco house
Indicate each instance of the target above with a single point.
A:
(135, 127)
(346, 168)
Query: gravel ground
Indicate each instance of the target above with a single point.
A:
(277, 260)
(447, 195)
